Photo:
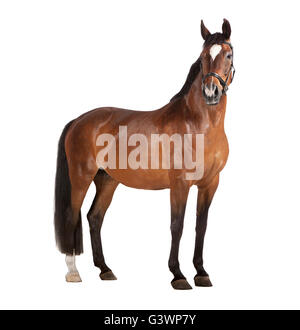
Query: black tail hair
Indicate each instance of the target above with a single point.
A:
(63, 209)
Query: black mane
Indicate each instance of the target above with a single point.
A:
(193, 73)
(216, 38)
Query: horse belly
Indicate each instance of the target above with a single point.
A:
(141, 179)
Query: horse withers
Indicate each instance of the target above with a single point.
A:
(177, 146)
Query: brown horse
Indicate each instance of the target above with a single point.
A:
(87, 152)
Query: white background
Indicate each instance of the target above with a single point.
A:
(59, 59)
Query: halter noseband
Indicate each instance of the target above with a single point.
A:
(221, 80)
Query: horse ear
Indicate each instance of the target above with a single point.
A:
(226, 29)
(204, 32)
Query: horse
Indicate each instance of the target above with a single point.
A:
(197, 109)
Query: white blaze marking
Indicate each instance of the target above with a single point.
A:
(214, 51)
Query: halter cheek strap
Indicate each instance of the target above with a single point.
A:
(224, 83)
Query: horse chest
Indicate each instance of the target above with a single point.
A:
(215, 155)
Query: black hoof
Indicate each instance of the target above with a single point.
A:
(108, 276)
(181, 284)
(203, 281)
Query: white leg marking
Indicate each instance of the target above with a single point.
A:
(70, 261)
(214, 51)
(72, 275)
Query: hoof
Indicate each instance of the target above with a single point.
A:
(203, 281)
(181, 285)
(73, 278)
(108, 276)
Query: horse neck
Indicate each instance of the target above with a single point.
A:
(210, 116)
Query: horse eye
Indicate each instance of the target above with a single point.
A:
(229, 56)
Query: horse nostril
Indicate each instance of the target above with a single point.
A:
(211, 91)
(216, 91)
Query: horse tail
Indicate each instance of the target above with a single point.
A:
(62, 204)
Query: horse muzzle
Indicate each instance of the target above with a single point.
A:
(212, 93)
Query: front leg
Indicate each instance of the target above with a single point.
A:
(179, 193)
(205, 196)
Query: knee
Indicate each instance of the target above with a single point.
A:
(176, 227)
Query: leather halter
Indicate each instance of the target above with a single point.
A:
(221, 80)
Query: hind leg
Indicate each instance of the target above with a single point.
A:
(81, 178)
(73, 274)
(105, 188)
